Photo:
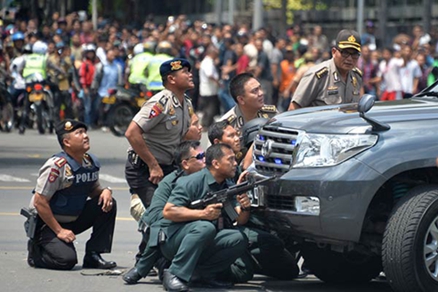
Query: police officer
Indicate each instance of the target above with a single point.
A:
(37, 62)
(268, 255)
(199, 249)
(334, 81)
(69, 200)
(157, 129)
(163, 54)
(35, 67)
(137, 66)
(190, 158)
(248, 95)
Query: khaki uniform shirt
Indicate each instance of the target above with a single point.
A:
(164, 121)
(235, 116)
(322, 85)
(56, 175)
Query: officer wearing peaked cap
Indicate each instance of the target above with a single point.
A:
(69, 200)
(156, 131)
(334, 81)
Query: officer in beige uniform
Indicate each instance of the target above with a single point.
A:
(334, 81)
(248, 95)
(155, 132)
(157, 129)
(69, 200)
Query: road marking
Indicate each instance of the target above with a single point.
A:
(111, 179)
(8, 178)
(18, 214)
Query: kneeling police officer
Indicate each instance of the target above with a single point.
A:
(68, 200)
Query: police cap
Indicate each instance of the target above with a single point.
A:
(173, 65)
(348, 38)
(67, 126)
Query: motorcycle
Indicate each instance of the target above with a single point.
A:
(120, 106)
(37, 105)
(7, 112)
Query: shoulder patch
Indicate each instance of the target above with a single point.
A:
(321, 72)
(269, 108)
(60, 162)
(156, 110)
(357, 70)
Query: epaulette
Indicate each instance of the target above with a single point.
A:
(163, 100)
(186, 96)
(231, 119)
(269, 108)
(321, 72)
(60, 162)
(357, 70)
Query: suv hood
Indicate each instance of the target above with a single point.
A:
(345, 118)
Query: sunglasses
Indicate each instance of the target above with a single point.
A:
(199, 156)
(345, 54)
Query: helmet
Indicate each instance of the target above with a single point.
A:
(39, 47)
(27, 49)
(138, 49)
(149, 46)
(250, 130)
(90, 47)
(164, 47)
(18, 36)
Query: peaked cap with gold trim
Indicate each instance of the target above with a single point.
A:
(348, 38)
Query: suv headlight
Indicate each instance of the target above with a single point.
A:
(319, 150)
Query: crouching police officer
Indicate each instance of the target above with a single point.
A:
(68, 199)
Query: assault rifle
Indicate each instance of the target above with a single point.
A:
(224, 196)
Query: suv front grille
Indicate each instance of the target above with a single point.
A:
(273, 148)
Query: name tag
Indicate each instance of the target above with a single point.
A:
(332, 92)
(172, 118)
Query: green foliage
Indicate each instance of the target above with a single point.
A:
(294, 5)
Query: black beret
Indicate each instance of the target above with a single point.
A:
(173, 65)
(68, 126)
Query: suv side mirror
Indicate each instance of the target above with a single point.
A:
(366, 103)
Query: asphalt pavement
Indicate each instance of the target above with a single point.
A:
(21, 156)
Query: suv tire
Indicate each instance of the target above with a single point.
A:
(410, 242)
(340, 268)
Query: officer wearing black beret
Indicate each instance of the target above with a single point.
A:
(157, 129)
(334, 81)
(69, 200)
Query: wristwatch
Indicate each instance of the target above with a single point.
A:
(109, 189)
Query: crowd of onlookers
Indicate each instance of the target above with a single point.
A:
(217, 53)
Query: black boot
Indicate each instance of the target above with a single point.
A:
(132, 276)
(173, 283)
(93, 260)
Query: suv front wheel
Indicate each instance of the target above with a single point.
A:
(410, 243)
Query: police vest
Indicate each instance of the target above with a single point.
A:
(154, 78)
(35, 63)
(71, 200)
(138, 66)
